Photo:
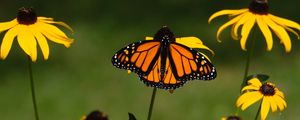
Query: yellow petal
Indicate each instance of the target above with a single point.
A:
(245, 17)
(53, 33)
(279, 93)
(279, 102)
(8, 40)
(149, 38)
(248, 97)
(255, 82)
(292, 31)
(280, 32)
(246, 30)
(232, 21)
(42, 43)
(45, 18)
(252, 98)
(250, 87)
(193, 42)
(285, 22)
(58, 23)
(226, 12)
(7, 25)
(27, 42)
(265, 106)
(266, 31)
(272, 103)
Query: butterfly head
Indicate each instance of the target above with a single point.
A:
(164, 35)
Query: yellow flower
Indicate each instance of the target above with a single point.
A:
(30, 30)
(270, 95)
(258, 13)
(231, 118)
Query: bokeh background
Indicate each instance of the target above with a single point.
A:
(75, 81)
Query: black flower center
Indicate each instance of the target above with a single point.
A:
(96, 115)
(267, 89)
(259, 7)
(26, 16)
(233, 118)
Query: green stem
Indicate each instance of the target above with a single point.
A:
(32, 89)
(258, 111)
(249, 54)
(151, 103)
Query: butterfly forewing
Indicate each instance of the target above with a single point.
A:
(189, 64)
(138, 57)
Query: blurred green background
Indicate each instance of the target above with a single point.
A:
(75, 81)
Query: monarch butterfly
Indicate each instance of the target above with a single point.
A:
(163, 63)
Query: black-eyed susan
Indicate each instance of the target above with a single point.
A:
(258, 12)
(95, 115)
(30, 30)
(268, 92)
(233, 117)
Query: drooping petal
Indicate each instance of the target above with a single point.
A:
(42, 41)
(255, 82)
(246, 97)
(245, 17)
(280, 102)
(27, 42)
(285, 22)
(292, 31)
(252, 98)
(265, 107)
(58, 23)
(8, 40)
(230, 22)
(226, 12)
(246, 30)
(148, 38)
(280, 32)
(250, 88)
(266, 31)
(272, 103)
(54, 34)
(7, 25)
(193, 42)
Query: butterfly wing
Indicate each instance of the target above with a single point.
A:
(189, 64)
(169, 81)
(138, 57)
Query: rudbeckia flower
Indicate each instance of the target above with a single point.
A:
(270, 95)
(257, 12)
(231, 118)
(30, 30)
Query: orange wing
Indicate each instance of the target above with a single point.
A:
(189, 64)
(169, 81)
(138, 57)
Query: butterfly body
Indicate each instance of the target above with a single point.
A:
(163, 63)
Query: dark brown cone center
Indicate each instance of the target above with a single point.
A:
(267, 89)
(96, 115)
(259, 7)
(26, 16)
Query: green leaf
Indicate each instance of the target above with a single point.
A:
(131, 116)
(261, 77)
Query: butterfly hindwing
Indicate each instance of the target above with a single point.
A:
(189, 64)
(154, 79)
(138, 57)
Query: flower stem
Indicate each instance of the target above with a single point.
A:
(32, 89)
(258, 111)
(151, 103)
(249, 54)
